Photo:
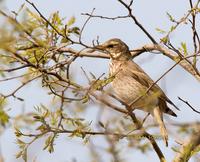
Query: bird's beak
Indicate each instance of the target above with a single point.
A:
(100, 47)
(97, 48)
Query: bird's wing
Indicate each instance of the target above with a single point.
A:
(138, 74)
(132, 69)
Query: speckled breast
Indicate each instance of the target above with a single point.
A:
(127, 88)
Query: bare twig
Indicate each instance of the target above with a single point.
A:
(187, 103)
(14, 69)
(146, 92)
(130, 15)
(193, 22)
(105, 17)
(101, 99)
(15, 77)
(128, 7)
(84, 25)
(18, 88)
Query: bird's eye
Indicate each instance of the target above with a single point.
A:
(110, 46)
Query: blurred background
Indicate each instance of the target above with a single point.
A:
(152, 14)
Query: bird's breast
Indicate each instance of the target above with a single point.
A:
(126, 87)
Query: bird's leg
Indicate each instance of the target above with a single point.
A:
(158, 116)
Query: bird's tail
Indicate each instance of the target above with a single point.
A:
(170, 112)
(163, 106)
(158, 116)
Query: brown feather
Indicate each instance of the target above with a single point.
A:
(138, 74)
(163, 106)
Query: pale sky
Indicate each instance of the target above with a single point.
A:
(152, 14)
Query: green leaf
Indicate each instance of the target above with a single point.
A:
(38, 118)
(164, 40)
(64, 40)
(19, 154)
(4, 118)
(160, 31)
(101, 124)
(175, 149)
(85, 99)
(172, 28)
(21, 8)
(170, 17)
(49, 144)
(184, 47)
(75, 30)
(71, 21)
(56, 20)
(18, 133)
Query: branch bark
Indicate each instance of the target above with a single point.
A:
(185, 64)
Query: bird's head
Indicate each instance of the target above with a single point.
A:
(116, 48)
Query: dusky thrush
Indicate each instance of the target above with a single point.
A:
(131, 82)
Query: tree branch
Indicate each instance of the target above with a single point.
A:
(187, 103)
(136, 52)
(188, 147)
(130, 14)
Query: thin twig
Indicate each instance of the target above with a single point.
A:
(105, 17)
(146, 92)
(14, 69)
(107, 103)
(187, 103)
(128, 7)
(84, 25)
(21, 86)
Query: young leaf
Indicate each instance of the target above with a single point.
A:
(172, 28)
(160, 31)
(4, 118)
(71, 21)
(184, 47)
(164, 40)
(170, 17)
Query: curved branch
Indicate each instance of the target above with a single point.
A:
(185, 64)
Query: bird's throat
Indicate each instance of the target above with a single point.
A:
(115, 66)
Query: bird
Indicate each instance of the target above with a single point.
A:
(130, 82)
